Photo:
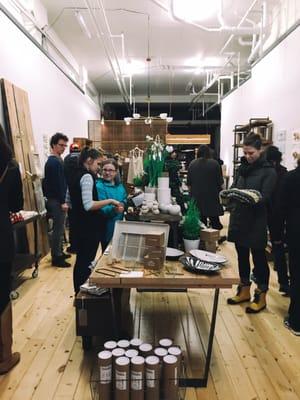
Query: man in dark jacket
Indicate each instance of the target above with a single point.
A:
(54, 186)
(290, 197)
(205, 181)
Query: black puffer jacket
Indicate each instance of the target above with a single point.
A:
(290, 203)
(248, 223)
(11, 199)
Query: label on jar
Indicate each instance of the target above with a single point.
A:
(105, 374)
(150, 378)
(136, 380)
(121, 380)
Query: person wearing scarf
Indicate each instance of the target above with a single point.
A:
(248, 223)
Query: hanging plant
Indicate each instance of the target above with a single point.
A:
(154, 160)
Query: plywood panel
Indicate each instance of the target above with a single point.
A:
(19, 126)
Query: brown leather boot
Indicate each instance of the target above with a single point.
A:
(242, 295)
(258, 303)
(7, 359)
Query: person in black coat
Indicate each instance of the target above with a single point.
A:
(71, 167)
(205, 182)
(248, 223)
(290, 201)
(90, 224)
(11, 200)
(276, 222)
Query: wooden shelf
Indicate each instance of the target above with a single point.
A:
(262, 126)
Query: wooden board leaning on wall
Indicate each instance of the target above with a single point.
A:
(20, 134)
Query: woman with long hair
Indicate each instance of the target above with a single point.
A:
(110, 186)
(11, 200)
(90, 225)
(248, 223)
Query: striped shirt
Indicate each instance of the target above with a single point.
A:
(86, 184)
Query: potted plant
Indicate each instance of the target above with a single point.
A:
(191, 227)
(154, 160)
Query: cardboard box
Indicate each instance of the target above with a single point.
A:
(94, 314)
(155, 252)
(155, 240)
(153, 263)
(209, 235)
(211, 246)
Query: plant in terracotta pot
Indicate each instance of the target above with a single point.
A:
(191, 227)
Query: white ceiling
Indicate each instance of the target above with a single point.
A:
(172, 44)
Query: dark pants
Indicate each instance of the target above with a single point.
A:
(280, 263)
(5, 284)
(86, 252)
(58, 216)
(72, 229)
(277, 233)
(214, 222)
(294, 309)
(262, 272)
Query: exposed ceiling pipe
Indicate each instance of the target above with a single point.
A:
(159, 4)
(243, 42)
(239, 24)
(259, 45)
(110, 52)
(236, 30)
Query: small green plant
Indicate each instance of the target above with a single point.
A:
(138, 181)
(191, 222)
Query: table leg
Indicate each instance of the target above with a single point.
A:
(114, 314)
(202, 382)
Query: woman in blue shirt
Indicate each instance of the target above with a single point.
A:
(110, 187)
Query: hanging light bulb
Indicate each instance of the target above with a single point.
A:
(169, 119)
(163, 115)
(148, 121)
(102, 121)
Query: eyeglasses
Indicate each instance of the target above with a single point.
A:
(62, 144)
(109, 170)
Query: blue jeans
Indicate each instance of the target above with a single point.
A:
(58, 216)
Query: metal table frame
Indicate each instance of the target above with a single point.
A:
(186, 382)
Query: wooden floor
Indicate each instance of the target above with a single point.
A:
(254, 356)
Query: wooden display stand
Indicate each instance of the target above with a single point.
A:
(210, 237)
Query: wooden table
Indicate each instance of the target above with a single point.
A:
(172, 276)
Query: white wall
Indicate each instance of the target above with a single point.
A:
(272, 91)
(55, 103)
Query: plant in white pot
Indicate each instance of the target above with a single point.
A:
(191, 227)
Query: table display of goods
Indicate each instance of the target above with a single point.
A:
(208, 256)
(173, 254)
(132, 369)
(193, 264)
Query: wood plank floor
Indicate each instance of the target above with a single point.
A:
(254, 356)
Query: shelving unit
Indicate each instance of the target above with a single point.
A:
(262, 126)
